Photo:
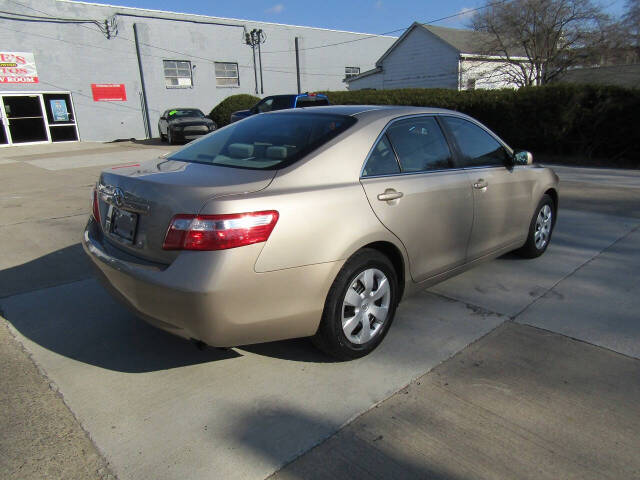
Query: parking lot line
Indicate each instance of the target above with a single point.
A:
(64, 163)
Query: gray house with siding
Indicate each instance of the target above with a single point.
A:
(428, 56)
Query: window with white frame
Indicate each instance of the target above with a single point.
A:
(177, 74)
(351, 72)
(227, 74)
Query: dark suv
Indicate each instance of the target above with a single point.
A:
(281, 102)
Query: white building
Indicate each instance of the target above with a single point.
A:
(74, 70)
(438, 57)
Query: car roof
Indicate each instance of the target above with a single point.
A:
(350, 110)
(293, 95)
(363, 111)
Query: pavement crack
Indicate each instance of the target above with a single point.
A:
(44, 219)
(477, 309)
(575, 270)
(44, 287)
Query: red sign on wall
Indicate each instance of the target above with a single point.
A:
(108, 92)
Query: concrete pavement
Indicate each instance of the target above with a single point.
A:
(158, 408)
(123, 379)
(40, 437)
(44, 209)
(520, 403)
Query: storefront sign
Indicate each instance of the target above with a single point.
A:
(108, 92)
(59, 110)
(18, 67)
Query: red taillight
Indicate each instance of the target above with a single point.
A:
(219, 232)
(96, 206)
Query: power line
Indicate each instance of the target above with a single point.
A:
(458, 14)
(107, 27)
(212, 60)
(35, 18)
(132, 54)
(447, 17)
(106, 105)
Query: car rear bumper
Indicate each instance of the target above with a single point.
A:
(216, 297)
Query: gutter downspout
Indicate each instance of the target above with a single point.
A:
(145, 102)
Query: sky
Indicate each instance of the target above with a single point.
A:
(368, 16)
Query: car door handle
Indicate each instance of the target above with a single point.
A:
(481, 184)
(389, 194)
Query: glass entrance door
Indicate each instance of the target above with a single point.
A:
(60, 117)
(24, 118)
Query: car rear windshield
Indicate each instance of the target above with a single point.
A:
(182, 112)
(311, 102)
(265, 141)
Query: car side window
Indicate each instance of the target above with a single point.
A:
(478, 148)
(265, 105)
(382, 160)
(280, 103)
(420, 144)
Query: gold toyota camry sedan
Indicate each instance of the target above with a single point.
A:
(313, 222)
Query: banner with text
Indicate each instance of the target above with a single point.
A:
(18, 67)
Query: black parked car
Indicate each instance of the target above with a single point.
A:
(281, 102)
(184, 124)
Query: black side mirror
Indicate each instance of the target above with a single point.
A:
(522, 157)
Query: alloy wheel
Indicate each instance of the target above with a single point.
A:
(543, 227)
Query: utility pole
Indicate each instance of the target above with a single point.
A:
(260, 36)
(249, 41)
(254, 39)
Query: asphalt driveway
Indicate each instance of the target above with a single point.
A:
(156, 407)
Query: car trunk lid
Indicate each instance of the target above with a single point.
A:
(137, 202)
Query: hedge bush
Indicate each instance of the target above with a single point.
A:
(222, 112)
(589, 121)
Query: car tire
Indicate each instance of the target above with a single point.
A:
(540, 229)
(170, 137)
(163, 138)
(359, 307)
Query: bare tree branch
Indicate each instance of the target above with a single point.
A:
(553, 35)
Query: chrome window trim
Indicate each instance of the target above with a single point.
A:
(426, 172)
(414, 115)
